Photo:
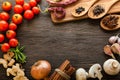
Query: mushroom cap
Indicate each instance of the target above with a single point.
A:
(111, 67)
(81, 74)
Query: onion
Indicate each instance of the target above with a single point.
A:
(40, 69)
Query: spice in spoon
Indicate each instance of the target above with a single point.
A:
(79, 10)
(110, 21)
(98, 10)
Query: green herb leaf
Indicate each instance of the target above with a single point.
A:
(19, 55)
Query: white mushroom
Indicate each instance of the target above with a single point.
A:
(3, 62)
(111, 67)
(95, 71)
(81, 74)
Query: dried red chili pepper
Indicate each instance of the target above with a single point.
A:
(60, 3)
(59, 12)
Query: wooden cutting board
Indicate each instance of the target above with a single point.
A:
(114, 9)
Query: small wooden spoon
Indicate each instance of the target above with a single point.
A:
(105, 4)
(110, 29)
(85, 5)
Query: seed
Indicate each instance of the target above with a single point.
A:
(98, 10)
(79, 10)
(110, 21)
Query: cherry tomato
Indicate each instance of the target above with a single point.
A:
(10, 34)
(28, 14)
(2, 37)
(26, 6)
(38, 1)
(13, 42)
(17, 18)
(6, 6)
(4, 16)
(18, 9)
(12, 26)
(5, 47)
(20, 2)
(3, 25)
(32, 3)
(35, 10)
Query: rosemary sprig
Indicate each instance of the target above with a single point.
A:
(19, 55)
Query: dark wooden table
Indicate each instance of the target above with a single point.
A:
(81, 42)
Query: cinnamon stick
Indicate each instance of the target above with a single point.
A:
(64, 70)
(62, 67)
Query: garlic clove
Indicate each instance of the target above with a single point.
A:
(113, 39)
(81, 74)
(108, 51)
(116, 48)
(111, 67)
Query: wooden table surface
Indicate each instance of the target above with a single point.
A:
(80, 41)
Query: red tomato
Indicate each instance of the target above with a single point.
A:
(38, 1)
(5, 47)
(18, 9)
(10, 34)
(32, 3)
(13, 42)
(6, 6)
(26, 6)
(2, 37)
(4, 16)
(20, 2)
(17, 18)
(12, 26)
(35, 10)
(3, 25)
(28, 14)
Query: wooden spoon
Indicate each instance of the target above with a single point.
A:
(85, 5)
(106, 5)
(106, 27)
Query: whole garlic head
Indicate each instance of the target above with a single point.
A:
(111, 67)
(81, 74)
(95, 71)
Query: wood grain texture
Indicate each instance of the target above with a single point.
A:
(81, 42)
(70, 17)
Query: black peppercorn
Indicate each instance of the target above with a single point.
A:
(110, 21)
(79, 10)
(98, 10)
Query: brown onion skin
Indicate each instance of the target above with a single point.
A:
(40, 69)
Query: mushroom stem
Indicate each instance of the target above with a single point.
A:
(114, 64)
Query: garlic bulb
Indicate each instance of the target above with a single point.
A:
(111, 67)
(81, 74)
(118, 41)
(95, 71)
(113, 39)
